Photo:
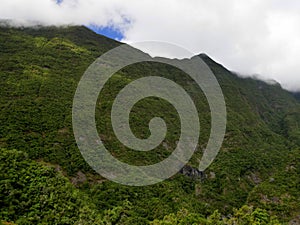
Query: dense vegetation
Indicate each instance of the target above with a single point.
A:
(35, 194)
(47, 181)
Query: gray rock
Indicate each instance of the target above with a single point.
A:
(191, 172)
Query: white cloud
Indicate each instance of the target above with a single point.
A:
(251, 37)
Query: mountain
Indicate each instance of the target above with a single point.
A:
(297, 95)
(44, 178)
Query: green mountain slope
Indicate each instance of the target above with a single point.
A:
(40, 69)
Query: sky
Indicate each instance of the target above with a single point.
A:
(107, 31)
(253, 38)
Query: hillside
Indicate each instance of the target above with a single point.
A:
(297, 95)
(258, 165)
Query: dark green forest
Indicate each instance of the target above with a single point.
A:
(255, 178)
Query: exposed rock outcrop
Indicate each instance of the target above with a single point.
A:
(193, 173)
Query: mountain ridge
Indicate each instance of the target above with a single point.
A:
(40, 70)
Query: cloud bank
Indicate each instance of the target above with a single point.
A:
(250, 37)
